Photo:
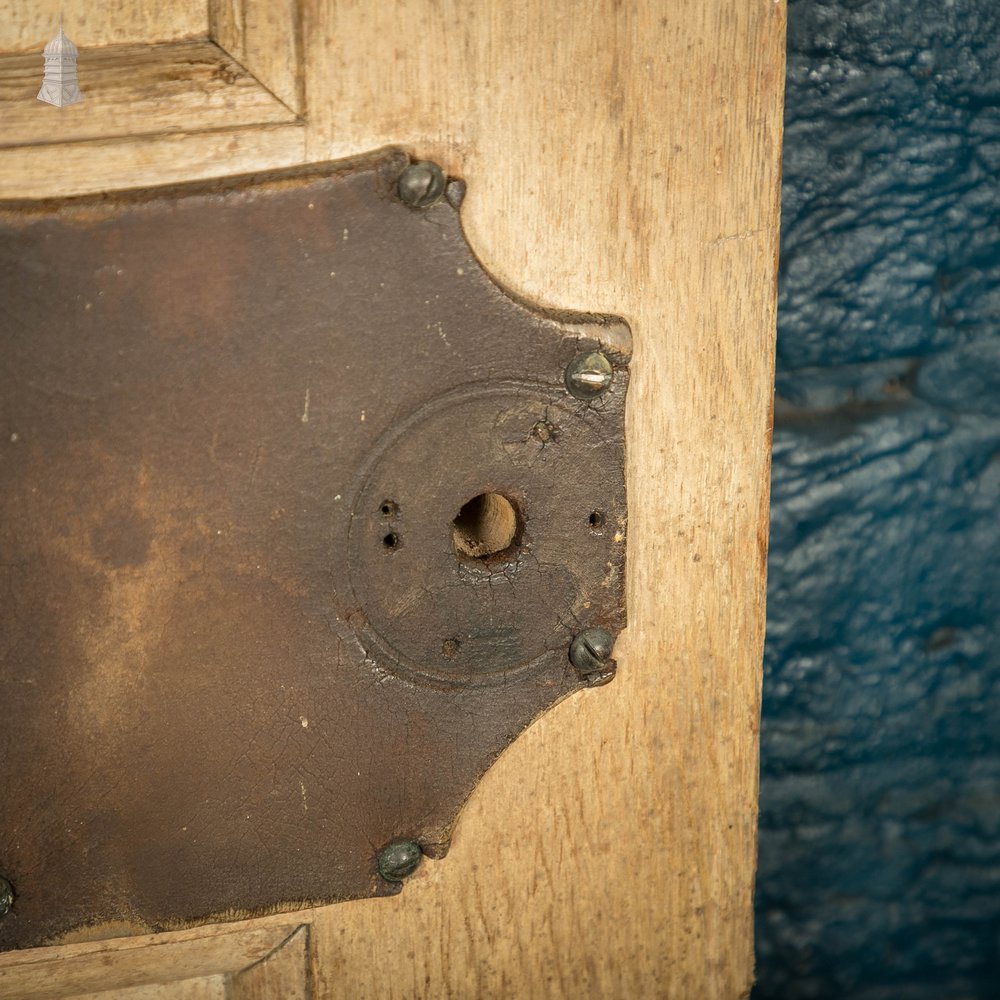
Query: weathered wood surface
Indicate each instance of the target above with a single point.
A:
(266, 39)
(622, 158)
(136, 90)
(286, 973)
(39, 171)
(26, 25)
(146, 962)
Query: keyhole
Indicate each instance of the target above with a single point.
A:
(485, 526)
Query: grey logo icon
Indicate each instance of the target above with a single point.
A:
(60, 86)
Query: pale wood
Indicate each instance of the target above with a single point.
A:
(85, 167)
(266, 39)
(624, 158)
(203, 988)
(285, 974)
(26, 25)
(620, 157)
(134, 90)
(147, 960)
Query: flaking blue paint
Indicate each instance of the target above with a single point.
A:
(879, 867)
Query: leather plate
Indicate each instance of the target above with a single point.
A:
(242, 647)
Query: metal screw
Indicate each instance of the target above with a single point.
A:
(399, 859)
(6, 896)
(590, 653)
(589, 375)
(421, 184)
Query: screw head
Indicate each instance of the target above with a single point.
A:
(421, 184)
(6, 896)
(589, 375)
(399, 859)
(590, 653)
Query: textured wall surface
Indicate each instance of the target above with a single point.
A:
(880, 789)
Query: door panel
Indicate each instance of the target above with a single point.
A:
(622, 158)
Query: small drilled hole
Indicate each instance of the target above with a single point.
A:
(543, 431)
(486, 525)
(449, 648)
(596, 520)
(389, 508)
(391, 541)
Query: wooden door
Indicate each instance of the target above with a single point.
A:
(621, 158)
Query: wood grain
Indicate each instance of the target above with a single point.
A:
(622, 158)
(139, 962)
(41, 171)
(202, 988)
(285, 973)
(266, 39)
(134, 90)
(26, 25)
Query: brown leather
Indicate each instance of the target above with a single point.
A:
(228, 675)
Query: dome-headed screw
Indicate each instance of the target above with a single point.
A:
(589, 375)
(590, 653)
(421, 184)
(399, 859)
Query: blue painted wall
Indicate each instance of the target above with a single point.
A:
(880, 787)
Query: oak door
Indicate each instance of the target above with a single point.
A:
(621, 158)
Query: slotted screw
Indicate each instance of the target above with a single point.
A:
(589, 375)
(590, 653)
(421, 184)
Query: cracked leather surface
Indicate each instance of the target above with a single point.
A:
(240, 651)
